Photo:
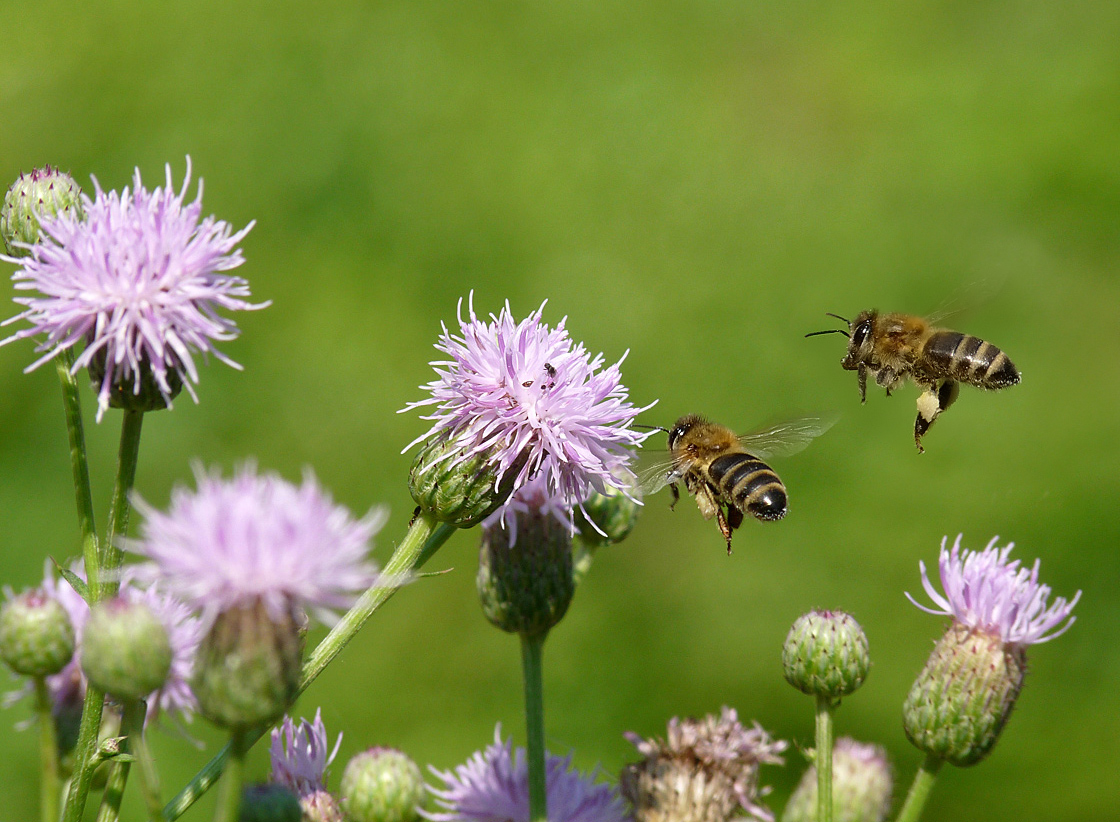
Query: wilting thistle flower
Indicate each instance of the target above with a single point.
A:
(493, 786)
(301, 755)
(861, 786)
(964, 695)
(526, 400)
(140, 282)
(705, 771)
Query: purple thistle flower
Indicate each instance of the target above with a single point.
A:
(300, 755)
(493, 786)
(139, 281)
(257, 537)
(532, 497)
(521, 388)
(986, 591)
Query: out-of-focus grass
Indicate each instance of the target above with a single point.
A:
(697, 183)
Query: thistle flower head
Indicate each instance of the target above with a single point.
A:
(301, 755)
(140, 281)
(493, 786)
(533, 401)
(861, 785)
(988, 591)
(257, 537)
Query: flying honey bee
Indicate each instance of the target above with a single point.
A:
(892, 347)
(725, 473)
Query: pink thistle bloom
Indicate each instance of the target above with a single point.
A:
(493, 786)
(300, 755)
(139, 281)
(522, 388)
(987, 591)
(257, 537)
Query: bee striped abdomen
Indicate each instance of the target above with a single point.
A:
(969, 359)
(750, 485)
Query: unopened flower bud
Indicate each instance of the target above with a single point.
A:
(826, 654)
(381, 785)
(526, 587)
(36, 637)
(460, 492)
(962, 698)
(42, 192)
(606, 519)
(321, 806)
(125, 649)
(138, 391)
(269, 803)
(247, 669)
(861, 786)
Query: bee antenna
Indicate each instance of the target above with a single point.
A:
(830, 331)
(845, 320)
(651, 427)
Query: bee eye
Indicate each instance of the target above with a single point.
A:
(859, 336)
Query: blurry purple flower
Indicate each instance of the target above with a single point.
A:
(493, 786)
(513, 389)
(987, 591)
(257, 537)
(300, 755)
(139, 281)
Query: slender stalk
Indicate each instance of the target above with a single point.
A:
(425, 536)
(132, 727)
(104, 583)
(532, 648)
(919, 789)
(147, 774)
(825, 707)
(50, 788)
(79, 465)
(230, 800)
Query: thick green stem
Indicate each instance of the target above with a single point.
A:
(425, 536)
(132, 727)
(50, 789)
(230, 800)
(79, 465)
(532, 648)
(823, 761)
(103, 584)
(919, 789)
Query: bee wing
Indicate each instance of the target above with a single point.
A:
(657, 470)
(787, 437)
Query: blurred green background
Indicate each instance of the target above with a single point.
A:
(697, 183)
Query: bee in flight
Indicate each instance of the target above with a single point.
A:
(725, 473)
(892, 347)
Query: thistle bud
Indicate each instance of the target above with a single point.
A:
(269, 803)
(320, 806)
(606, 519)
(460, 492)
(826, 654)
(247, 669)
(42, 192)
(125, 649)
(962, 698)
(140, 390)
(381, 785)
(525, 586)
(36, 637)
(861, 786)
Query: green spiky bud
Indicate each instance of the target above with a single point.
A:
(247, 668)
(526, 587)
(861, 786)
(43, 191)
(321, 806)
(125, 394)
(269, 803)
(36, 637)
(381, 785)
(826, 654)
(462, 493)
(962, 698)
(606, 519)
(125, 649)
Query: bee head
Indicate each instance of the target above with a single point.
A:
(860, 342)
(682, 427)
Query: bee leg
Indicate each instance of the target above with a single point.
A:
(862, 383)
(676, 495)
(725, 527)
(933, 401)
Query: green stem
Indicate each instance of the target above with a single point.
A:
(50, 791)
(104, 583)
(132, 727)
(425, 536)
(230, 800)
(825, 707)
(79, 465)
(148, 775)
(532, 648)
(919, 789)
